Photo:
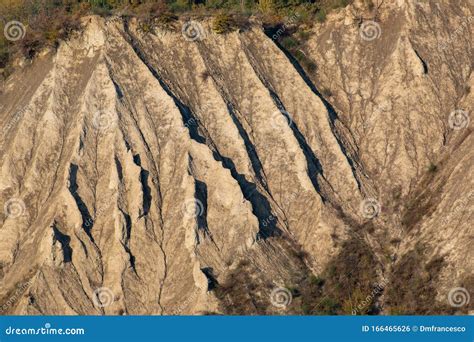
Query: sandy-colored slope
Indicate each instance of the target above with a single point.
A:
(152, 169)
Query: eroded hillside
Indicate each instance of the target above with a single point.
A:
(168, 173)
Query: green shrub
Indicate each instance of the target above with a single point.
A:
(305, 62)
(315, 280)
(222, 23)
(215, 4)
(328, 306)
(289, 43)
(179, 6)
(50, 21)
(432, 168)
(146, 27)
(321, 16)
(165, 20)
(348, 279)
(304, 35)
(340, 3)
(413, 281)
(4, 53)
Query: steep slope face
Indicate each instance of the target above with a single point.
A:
(437, 245)
(400, 79)
(158, 173)
(115, 182)
(396, 81)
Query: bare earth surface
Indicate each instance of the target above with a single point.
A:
(144, 173)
